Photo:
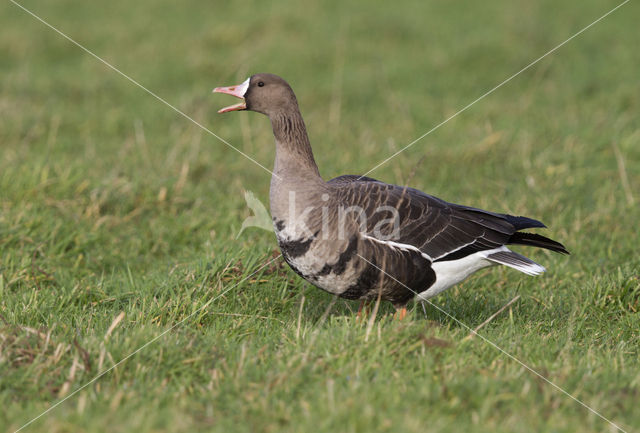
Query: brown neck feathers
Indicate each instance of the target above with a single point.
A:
(292, 141)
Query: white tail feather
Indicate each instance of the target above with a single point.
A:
(516, 261)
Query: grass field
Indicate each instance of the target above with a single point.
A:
(119, 217)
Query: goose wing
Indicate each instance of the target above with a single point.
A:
(406, 218)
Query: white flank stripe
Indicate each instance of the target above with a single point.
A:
(455, 249)
(399, 246)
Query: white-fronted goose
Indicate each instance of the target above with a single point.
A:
(340, 234)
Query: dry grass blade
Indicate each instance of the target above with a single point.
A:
(624, 178)
(493, 316)
(300, 318)
(113, 325)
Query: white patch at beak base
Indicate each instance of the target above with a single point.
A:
(242, 88)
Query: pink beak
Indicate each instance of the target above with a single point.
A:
(238, 91)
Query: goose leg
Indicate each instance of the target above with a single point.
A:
(364, 305)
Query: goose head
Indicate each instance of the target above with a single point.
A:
(264, 93)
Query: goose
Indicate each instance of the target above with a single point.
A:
(360, 238)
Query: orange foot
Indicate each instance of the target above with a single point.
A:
(401, 313)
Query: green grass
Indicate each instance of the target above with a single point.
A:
(111, 203)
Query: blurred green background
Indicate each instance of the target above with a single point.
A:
(111, 202)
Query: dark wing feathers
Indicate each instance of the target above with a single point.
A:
(348, 178)
(535, 240)
(520, 222)
(441, 230)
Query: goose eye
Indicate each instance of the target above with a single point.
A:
(260, 84)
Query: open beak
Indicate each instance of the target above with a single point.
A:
(237, 91)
